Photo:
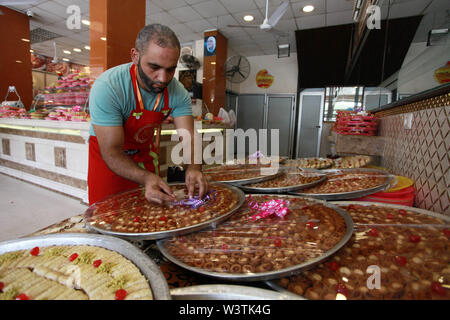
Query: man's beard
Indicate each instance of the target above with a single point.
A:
(149, 83)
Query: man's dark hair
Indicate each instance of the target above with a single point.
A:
(163, 36)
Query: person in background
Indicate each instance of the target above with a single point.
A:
(127, 105)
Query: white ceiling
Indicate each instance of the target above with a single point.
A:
(190, 18)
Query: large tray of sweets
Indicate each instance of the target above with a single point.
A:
(255, 244)
(406, 246)
(290, 179)
(130, 216)
(238, 177)
(97, 267)
(344, 184)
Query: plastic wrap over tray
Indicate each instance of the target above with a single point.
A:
(131, 216)
(395, 252)
(290, 179)
(342, 184)
(239, 176)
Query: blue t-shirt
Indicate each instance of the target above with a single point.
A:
(111, 99)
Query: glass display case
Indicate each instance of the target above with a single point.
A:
(65, 100)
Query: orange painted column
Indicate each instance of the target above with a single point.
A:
(214, 82)
(15, 58)
(113, 30)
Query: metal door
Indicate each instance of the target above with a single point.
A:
(310, 123)
(250, 115)
(279, 115)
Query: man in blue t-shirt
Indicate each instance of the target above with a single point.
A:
(127, 105)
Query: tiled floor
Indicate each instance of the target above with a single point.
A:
(26, 208)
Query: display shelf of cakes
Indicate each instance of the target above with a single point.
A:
(68, 92)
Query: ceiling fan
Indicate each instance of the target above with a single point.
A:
(269, 23)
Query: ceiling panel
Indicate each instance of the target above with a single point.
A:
(162, 18)
(407, 9)
(222, 21)
(234, 6)
(200, 25)
(185, 14)
(339, 5)
(152, 8)
(169, 4)
(44, 17)
(438, 5)
(84, 5)
(262, 3)
(194, 1)
(337, 18)
(319, 8)
(310, 22)
(239, 16)
(210, 9)
(181, 28)
(286, 25)
(190, 37)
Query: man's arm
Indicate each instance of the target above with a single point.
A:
(193, 172)
(111, 141)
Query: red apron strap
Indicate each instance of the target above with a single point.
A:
(134, 82)
(166, 99)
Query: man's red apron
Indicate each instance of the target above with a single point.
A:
(138, 145)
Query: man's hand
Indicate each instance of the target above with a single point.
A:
(153, 186)
(195, 176)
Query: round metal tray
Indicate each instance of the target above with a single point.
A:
(273, 283)
(174, 232)
(240, 182)
(353, 194)
(396, 206)
(272, 274)
(229, 292)
(247, 188)
(148, 268)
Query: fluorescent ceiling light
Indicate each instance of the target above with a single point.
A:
(308, 8)
(248, 18)
(87, 47)
(76, 50)
(65, 59)
(67, 52)
(86, 22)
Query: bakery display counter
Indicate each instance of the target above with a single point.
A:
(54, 154)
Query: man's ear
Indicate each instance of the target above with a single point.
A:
(134, 55)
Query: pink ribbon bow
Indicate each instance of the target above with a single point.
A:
(269, 208)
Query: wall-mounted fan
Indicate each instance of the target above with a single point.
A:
(269, 23)
(189, 61)
(237, 69)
